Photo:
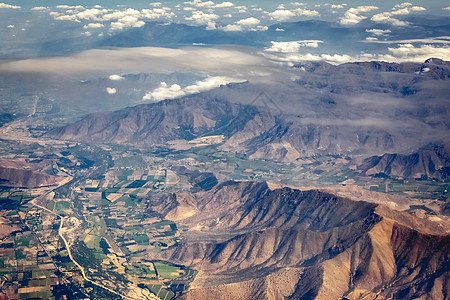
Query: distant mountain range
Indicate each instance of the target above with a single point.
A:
(432, 161)
(254, 241)
(368, 108)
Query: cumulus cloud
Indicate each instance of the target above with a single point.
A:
(293, 46)
(157, 13)
(249, 21)
(11, 26)
(353, 15)
(405, 8)
(126, 22)
(200, 3)
(281, 15)
(164, 91)
(224, 4)
(401, 53)
(411, 53)
(232, 27)
(39, 8)
(115, 77)
(306, 12)
(446, 8)
(70, 6)
(111, 91)
(432, 40)
(119, 19)
(93, 25)
(200, 17)
(4, 5)
(329, 58)
(378, 32)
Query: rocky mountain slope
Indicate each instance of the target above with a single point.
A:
(19, 174)
(250, 241)
(432, 161)
(358, 108)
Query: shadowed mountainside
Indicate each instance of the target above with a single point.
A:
(432, 161)
(356, 108)
(249, 241)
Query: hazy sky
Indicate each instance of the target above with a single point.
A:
(354, 30)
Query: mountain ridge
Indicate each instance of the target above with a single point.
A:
(245, 235)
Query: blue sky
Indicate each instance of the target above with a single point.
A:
(355, 30)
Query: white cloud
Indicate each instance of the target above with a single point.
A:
(4, 5)
(90, 14)
(164, 91)
(306, 12)
(157, 13)
(408, 10)
(279, 29)
(200, 3)
(200, 17)
(118, 14)
(232, 27)
(378, 32)
(371, 38)
(249, 21)
(293, 46)
(446, 8)
(104, 62)
(386, 17)
(93, 25)
(353, 15)
(115, 77)
(258, 28)
(281, 15)
(126, 22)
(11, 26)
(211, 26)
(39, 8)
(402, 5)
(156, 4)
(399, 9)
(332, 59)
(433, 40)
(337, 6)
(70, 7)
(67, 18)
(224, 4)
(111, 91)
(421, 53)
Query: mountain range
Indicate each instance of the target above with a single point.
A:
(361, 108)
(253, 240)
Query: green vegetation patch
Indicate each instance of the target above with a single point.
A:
(23, 241)
(141, 238)
(167, 271)
(62, 205)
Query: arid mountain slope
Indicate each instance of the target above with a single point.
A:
(19, 174)
(251, 242)
(432, 161)
(356, 108)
